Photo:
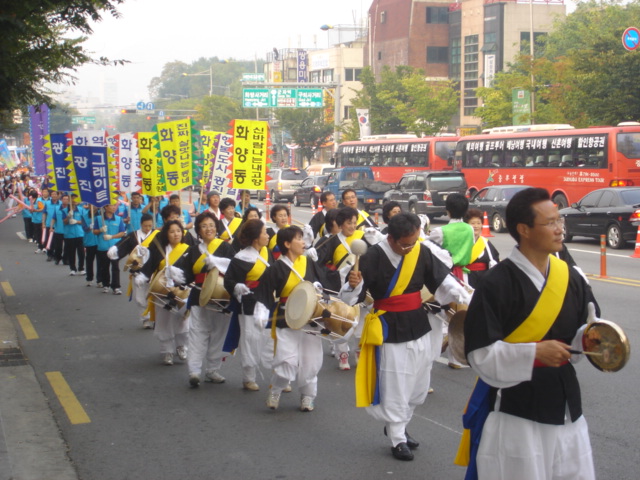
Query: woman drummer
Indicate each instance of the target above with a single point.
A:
(242, 278)
(171, 326)
(483, 255)
(251, 213)
(298, 355)
(280, 216)
(208, 327)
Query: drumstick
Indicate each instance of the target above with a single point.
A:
(358, 248)
(594, 354)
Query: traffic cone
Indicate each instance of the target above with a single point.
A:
(290, 213)
(376, 218)
(313, 208)
(319, 206)
(636, 253)
(267, 205)
(486, 231)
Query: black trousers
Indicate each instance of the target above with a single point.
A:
(108, 271)
(28, 227)
(90, 260)
(37, 234)
(56, 245)
(73, 247)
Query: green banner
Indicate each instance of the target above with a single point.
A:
(521, 105)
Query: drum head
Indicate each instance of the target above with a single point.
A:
(300, 305)
(606, 338)
(158, 283)
(207, 287)
(456, 336)
(134, 262)
(426, 296)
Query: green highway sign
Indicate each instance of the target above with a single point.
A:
(253, 77)
(78, 120)
(282, 98)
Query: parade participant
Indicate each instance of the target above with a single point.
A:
(121, 209)
(154, 207)
(350, 199)
(132, 219)
(73, 236)
(213, 203)
(49, 218)
(526, 315)
(45, 196)
(139, 240)
(394, 271)
(244, 202)
(251, 213)
(230, 223)
(208, 328)
(37, 210)
(298, 355)
(280, 217)
(57, 244)
(329, 202)
(26, 218)
(242, 278)
(90, 242)
(389, 210)
(185, 217)
(109, 228)
(483, 255)
(171, 326)
(172, 212)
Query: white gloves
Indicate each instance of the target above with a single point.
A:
(143, 253)
(107, 236)
(373, 235)
(307, 235)
(72, 221)
(424, 222)
(112, 253)
(239, 290)
(176, 274)
(203, 248)
(319, 288)
(260, 315)
(211, 261)
(103, 229)
(140, 279)
(592, 313)
(311, 253)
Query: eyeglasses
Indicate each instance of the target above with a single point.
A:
(405, 247)
(207, 226)
(558, 222)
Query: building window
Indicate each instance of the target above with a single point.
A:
(470, 74)
(346, 115)
(383, 16)
(352, 74)
(437, 14)
(379, 55)
(538, 42)
(437, 54)
(327, 75)
(454, 66)
(315, 76)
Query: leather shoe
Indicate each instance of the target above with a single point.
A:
(412, 443)
(402, 452)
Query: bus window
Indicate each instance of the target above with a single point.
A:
(629, 144)
(554, 160)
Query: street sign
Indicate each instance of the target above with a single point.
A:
(282, 98)
(140, 105)
(253, 77)
(78, 120)
(631, 38)
(161, 115)
(150, 106)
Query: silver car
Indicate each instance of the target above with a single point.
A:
(283, 184)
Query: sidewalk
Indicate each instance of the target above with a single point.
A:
(31, 446)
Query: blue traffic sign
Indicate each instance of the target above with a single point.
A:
(631, 38)
(150, 106)
(140, 105)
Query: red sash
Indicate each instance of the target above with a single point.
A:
(399, 303)
(477, 267)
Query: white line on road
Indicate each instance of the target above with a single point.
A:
(598, 253)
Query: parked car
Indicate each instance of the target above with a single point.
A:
(493, 200)
(613, 211)
(425, 192)
(310, 190)
(283, 184)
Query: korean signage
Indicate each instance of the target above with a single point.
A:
(39, 121)
(150, 168)
(250, 145)
(253, 77)
(56, 161)
(78, 120)
(303, 66)
(282, 98)
(95, 176)
(128, 162)
(221, 173)
(176, 153)
(521, 105)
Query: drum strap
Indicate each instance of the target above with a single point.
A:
(259, 266)
(213, 245)
(175, 254)
(298, 271)
(344, 249)
(532, 329)
(147, 241)
(230, 229)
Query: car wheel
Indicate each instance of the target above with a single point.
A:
(412, 209)
(567, 236)
(561, 201)
(614, 237)
(259, 196)
(296, 201)
(497, 223)
(273, 196)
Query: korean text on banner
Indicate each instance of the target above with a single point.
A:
(207, 141)
(95, 175)
(176, 152)
(129, 179)
(250, 152)
(150, 171)
(56, 151)
(39, 124)
(221, 172)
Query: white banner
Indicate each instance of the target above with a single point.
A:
(221, 172)
(129, 177)
(363, 122)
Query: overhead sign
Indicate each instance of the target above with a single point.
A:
(282, 98)
(253, 77)
(78, 120)
(142, 105)
(631, 38)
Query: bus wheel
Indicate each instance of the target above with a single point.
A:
(614, 237)
(561, 201)
(498, 223)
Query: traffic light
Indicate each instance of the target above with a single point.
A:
(128, 110)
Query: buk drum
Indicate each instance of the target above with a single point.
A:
(306, 307)
(213, 296)
(134, 261)
(170, 298)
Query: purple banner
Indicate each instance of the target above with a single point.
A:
(39, 120)
(59, 154)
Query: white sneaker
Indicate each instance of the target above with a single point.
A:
(273, 400)
(344, 361)
(72, 273)
(182, 352)
(147, 324)
(194, 380)
(251, 386)
(99, 285)
(117, 291)
(89, 284)
(168, 359)
(287, 389)
(106, 290)
(31, 240)
(214, 377)
(306, 404)
(82, 272)
(38, 251)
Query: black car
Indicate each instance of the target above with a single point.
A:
(425, 192)
(493, 201)
(310, 190)
(614, 212)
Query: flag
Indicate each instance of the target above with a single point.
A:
(363, 121)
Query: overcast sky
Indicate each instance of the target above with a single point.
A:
(151, 33)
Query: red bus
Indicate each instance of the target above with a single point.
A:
(390, 157)
(568, 163)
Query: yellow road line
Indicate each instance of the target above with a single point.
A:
(67, 399)
(8, 291)
(629, 283)
(27, 328)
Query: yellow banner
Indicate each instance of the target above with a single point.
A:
(176, 151)
(152, 181)
(250, 153)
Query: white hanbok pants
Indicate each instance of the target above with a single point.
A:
(172, 329)
(207, 333)
(255, 346)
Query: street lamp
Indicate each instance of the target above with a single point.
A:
(204, 73)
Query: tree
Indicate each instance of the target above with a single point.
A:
(38, 47)
(307, 128)
(217, 111)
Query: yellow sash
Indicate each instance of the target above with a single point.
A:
(300, 266)
(147, 241)
(341, 252)
(259, 267)
(532, 329)
(372, 334)
(274, 240)
(175, 254)
(211, 248)
(232, 227)
(477, 249)
(362, 216)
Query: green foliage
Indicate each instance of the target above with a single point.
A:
(216, 112)
(307, 128)
(38, 47)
